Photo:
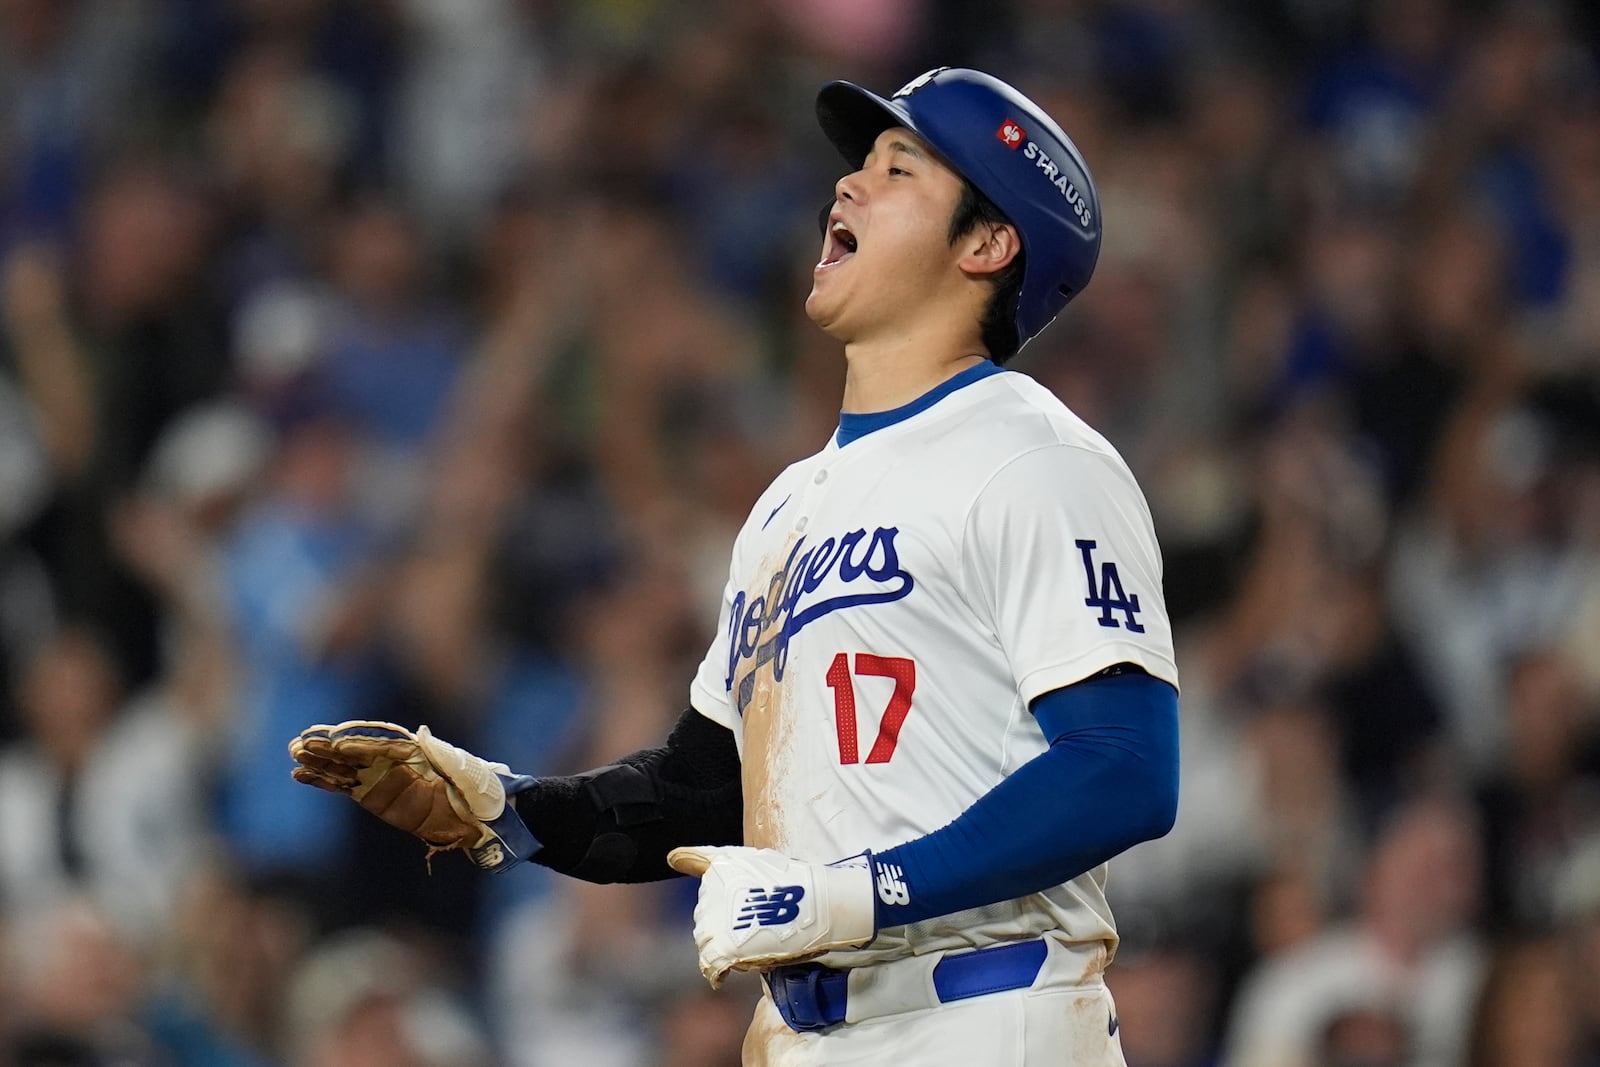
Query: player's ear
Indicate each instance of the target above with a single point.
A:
(989, 248)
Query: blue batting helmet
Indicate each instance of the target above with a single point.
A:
(1010, 150)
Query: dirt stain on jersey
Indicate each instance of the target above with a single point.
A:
(769, 1042)
(768, 727)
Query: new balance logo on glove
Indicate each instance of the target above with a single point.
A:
(892, 888)
(774, 907)
(758, 907)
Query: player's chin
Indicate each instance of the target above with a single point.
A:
(823, 310)
(828, 293)
(819, 306)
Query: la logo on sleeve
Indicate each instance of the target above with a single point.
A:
(1106, 592)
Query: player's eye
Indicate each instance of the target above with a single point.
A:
(893, 171)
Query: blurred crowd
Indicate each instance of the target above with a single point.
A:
(418, 360)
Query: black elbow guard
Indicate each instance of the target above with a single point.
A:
(617, 823)
(625, 798)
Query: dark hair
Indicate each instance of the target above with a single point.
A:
(999, 322)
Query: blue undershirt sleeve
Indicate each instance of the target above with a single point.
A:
(1108, 781)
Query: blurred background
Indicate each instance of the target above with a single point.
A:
(418, 360)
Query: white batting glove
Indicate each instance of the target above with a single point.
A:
(759, 908)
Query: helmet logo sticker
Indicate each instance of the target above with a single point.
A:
(1055, 176)
(918, 82)
(1011, 135)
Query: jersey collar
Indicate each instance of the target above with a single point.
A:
(853, 427)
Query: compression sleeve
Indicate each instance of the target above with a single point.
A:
(617, 823)
(1108, 781)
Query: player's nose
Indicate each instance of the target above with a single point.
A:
(849, 187)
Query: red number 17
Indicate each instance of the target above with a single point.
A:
(904, 673)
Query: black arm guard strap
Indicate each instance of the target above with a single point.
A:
(617, 823)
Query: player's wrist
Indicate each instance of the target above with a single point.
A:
(847, 884)
(506, 839)
(889, 888)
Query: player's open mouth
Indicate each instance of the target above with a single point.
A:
(840, 246)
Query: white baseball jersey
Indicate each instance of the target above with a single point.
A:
(894, 604)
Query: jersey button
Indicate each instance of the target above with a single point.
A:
(821, 477)
(800, 527)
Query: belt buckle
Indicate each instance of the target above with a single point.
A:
(796, 992)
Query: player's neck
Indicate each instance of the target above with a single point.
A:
(885, 375)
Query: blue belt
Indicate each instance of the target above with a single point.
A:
(812, 997)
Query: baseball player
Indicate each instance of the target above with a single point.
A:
(942, 694)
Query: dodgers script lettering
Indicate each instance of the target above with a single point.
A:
(761, 627)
